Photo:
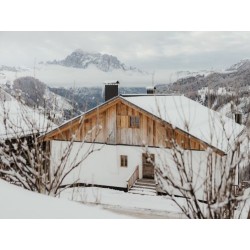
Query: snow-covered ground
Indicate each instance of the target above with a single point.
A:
(15, 202)
(140, 206)
(96, 203)
(93, 203)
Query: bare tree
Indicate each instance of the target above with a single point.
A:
(25, 155)
(208, 181)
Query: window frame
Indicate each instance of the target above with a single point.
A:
(123, 161)
(134, 121)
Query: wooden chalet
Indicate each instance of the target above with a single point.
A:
(129, 131)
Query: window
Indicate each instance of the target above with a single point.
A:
(124, 160)
(134, 122)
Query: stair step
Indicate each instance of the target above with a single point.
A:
(144, 186)
(141, 191)
(146, 180)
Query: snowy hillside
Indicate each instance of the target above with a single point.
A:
(22, 204)
(241, 65)
(227, 91)
(36, 94)
(17, 119)
(187, 73)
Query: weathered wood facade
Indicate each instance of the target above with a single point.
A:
(119, 122)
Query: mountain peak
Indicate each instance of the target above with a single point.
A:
(83, 59)
(84, 52)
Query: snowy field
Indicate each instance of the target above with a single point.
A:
(139, 206)
(92, 203)
(17, 203)
(136, 205)
(88, 203)
(95, 203)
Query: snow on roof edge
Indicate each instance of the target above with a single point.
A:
(123, 97)
(215, 114)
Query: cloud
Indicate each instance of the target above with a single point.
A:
(146, 50)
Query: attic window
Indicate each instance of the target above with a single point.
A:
(124, 160)
(134, 122)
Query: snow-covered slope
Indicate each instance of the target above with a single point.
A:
(22, 204)
(240, 66)
(125, 201)
(17, 119)
(58, 101)
(33, 92)
(36, 94)
(187, 73)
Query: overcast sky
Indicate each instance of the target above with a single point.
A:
(145, 50)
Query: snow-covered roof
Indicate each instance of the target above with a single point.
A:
(185, 114)
(192, 117)
(17, 119)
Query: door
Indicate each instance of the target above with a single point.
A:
(148, 166)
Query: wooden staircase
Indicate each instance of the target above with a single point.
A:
(144, 187)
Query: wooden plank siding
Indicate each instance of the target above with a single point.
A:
(111, 124)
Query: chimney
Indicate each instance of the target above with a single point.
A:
(111, 90)
(238, 118)
(151, 90)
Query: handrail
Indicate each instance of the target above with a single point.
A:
(132, 179)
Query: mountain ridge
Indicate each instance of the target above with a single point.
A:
(217, 89)
(104, 62)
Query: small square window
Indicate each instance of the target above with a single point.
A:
(124, 160)
(134, 122)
